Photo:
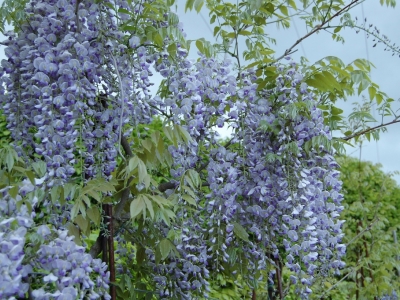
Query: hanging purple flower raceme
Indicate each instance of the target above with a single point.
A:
(61, 268)
(14, 225)
(198, 100)
(222, 204)
(185, 274)
(71, 84)
(291, 191)
(68, 268)
(279, 188)
(200, 95)
(393, 296)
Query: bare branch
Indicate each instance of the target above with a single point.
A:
(337, 283)
(396, 120)
(368, 228)
(317, 28)
(166, 186)
(95, 250)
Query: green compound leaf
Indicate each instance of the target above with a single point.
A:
(240, 232)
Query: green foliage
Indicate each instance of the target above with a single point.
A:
(371, 200)
(5, 138)
(12, 13)
(226, 288)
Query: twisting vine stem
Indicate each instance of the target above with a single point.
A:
(122, 103)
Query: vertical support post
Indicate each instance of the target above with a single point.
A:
(103, 236)
(103, 233)
(397, 256)
(254, 295)
(111, 263)
(279, 277)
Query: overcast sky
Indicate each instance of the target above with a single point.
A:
(387, 150)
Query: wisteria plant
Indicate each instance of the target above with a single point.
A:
(98, 202)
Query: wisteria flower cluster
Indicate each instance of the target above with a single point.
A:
(295, 196)
(393, 296)
(70, 272)
(279, 191)
(186, 275)
(200, 96)
(200, 100)
(14, 225)
(70, 84)
(73, 81)
(65, 270)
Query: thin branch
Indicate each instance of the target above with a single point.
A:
(111, 258)
(396, 120)
(254, 295)
(162, 187)
(329, 10)
(103, 235)
(77, 15)
(95, 250)
(368, 228)
(336, 284)
(126, 147)
(317, 28)
(279, 277)
(290, 16)
(122, 101)
(160, 111)
(368, 32)
(376, 36)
